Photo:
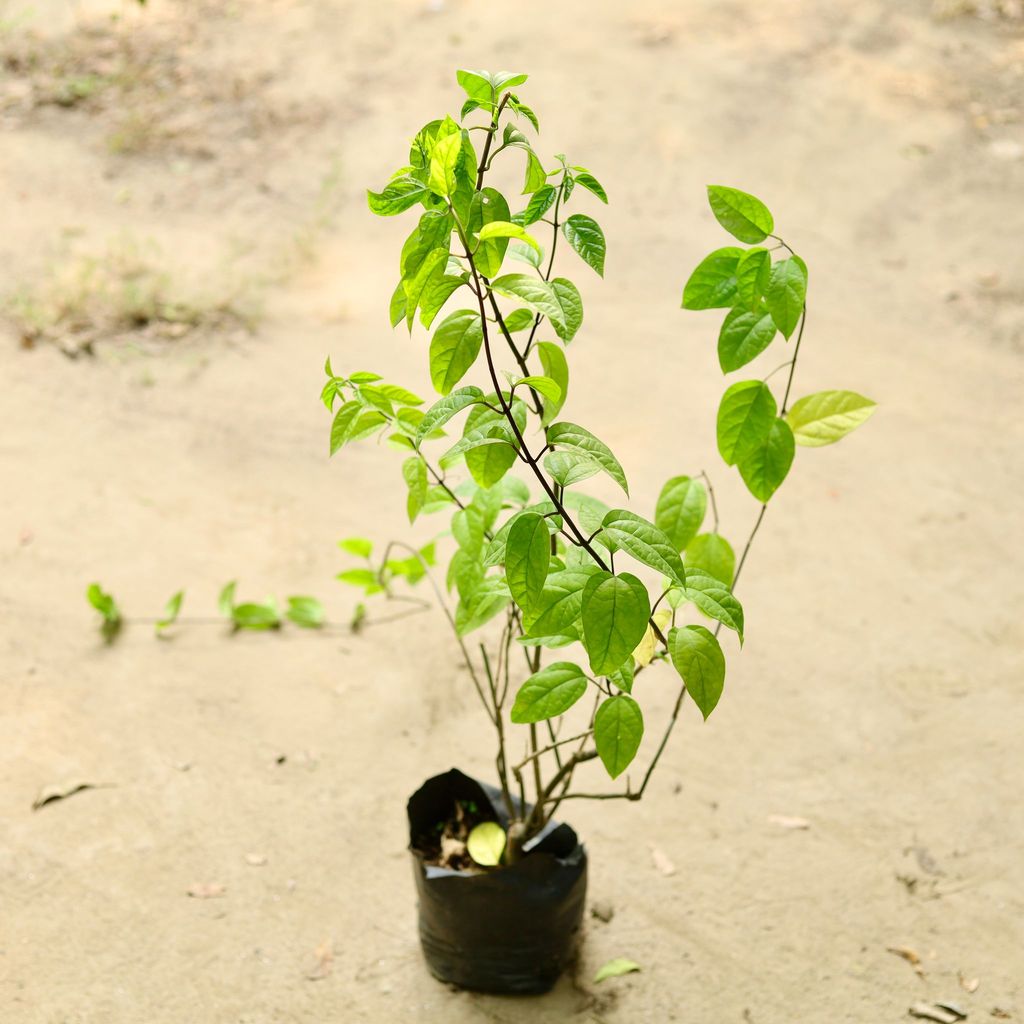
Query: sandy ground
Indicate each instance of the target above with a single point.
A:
(878, 697)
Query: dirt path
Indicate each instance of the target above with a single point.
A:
(182, 195)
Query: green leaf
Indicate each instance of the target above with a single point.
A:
(543, 386)
(570, 468)
(624, 676)
(614, 968)
(306, 612)
(414, 470)
(826, 416)
(646, 543)
(618, 730)
(489, 599)
(527, 112)
(713, 284)
(514, 491)
(487, 465)
(570, 304)
(553, 360)
(573, 437)
(488, 207)
(430, 271)
(398, 195)
(699, 660)
(486, 843)
(397, 307)
(711, 553)
(478, 86)
(557, 610)
(745, 334)
(536, 177)
(768, 464)
(786, 293)
(365, 578)
(255, 616)
(714, 599)
(504, 80)
(591, 513)
(468, 528)
(506, 229)
(432, 231)
(615, 612)
(549, 693)
(745, 418)
(373, 396)
(537, 294)
(358, 546)
(525, 254)
(105, 604)
(466, 572)
(454, 348)
(680, 510)
(741, 214)
(591, 184)
(495, 553)
(585, 236)
(752, 275)
(226, 599)
(527, 553)
(341, 427)
(399, 395)
(446, 408)
(437, 292)
(447, 159)
(539, 204)
(367, 424)
(519, 320)
(171, 611)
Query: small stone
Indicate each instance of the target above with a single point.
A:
(602, 910)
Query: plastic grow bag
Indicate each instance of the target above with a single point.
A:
(512, 930)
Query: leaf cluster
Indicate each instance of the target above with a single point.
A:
(531, 550)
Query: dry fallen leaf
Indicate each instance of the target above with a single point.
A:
(661, 861)
(908, 954)
(60, 791)
(788, 821)
(206, 890)
(969, 984)
(324, 954)
(943, 1013)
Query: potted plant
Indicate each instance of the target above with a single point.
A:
(561, 602)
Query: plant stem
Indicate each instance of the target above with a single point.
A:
(451, 622)
(501, 761)
(551, 263)
(553, 746)
(796, 353)
(736, 575)
(711, 495)
(492, 131)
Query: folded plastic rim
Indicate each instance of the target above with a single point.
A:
(510, 931)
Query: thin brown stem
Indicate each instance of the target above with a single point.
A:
(448, 615)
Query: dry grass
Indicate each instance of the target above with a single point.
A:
(127, 290)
